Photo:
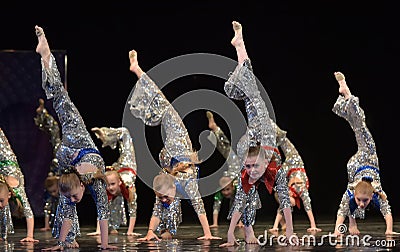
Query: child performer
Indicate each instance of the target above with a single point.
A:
(256, 150)
(77, 155)
(176, 158)
(364, 184)
(229, 181)
(12, 187)
(48, 124)
(121, 177)
(298, 183)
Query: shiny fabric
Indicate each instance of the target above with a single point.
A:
(293, 166)
(117, 213)
(242, 85)
(9, 167)
(366, 155)
(125, 166)
(224, 147)
(46, 122)
(150, 105)
(75, 137)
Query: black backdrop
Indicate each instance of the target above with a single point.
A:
(294, 47)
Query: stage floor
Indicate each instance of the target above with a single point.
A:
(372, 238)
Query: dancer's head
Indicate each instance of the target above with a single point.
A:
(51, 185)
(363, 193)
(228, 189)
(71, 186)
(164, 187)
(7, 193)
(114, 182)
(256, 162)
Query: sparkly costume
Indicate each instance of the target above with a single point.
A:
(293, 167)
(48, 124)
(364, 164)
(150, 105)
(9, 167)
(242, 85)
(224, 147)
(126, 167)
(75, 139)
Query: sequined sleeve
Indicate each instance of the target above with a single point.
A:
(149, 104)
(242, 85)
(170, 217)
(6, 224)
(217, 202)
(384, 206)
(98, 191)
(281, 188)
(344, 207)
(192, 189)
(305, 197)
(66, 210)
(246, 204)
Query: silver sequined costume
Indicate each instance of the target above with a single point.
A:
(150, 105)
(365, 162)
(75, 139)
(242, 85)
(9, 167)
(224, 147)
(127, 169)
(293, 166)
(46, 122)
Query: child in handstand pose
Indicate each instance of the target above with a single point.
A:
(12, 187)
(46, 122)
(364, 184)
(176, 158)
(256, 150)
(121, 177)
(298, 183)
(229, 181)
(79, 160)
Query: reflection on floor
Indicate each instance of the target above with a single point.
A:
(372, 238)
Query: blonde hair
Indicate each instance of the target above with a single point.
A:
(225, 181)
(17, 209)
(365, 187)
(163, 181)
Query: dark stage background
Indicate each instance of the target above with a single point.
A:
(295, 48)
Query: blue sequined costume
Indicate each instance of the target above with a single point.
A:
(363, 164)
(150, 105)
(75, 139)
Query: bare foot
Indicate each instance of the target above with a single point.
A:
(40, 109)
(211, 123)
(43, 46)
(134, 64)
(343, 88)
(237, 40)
